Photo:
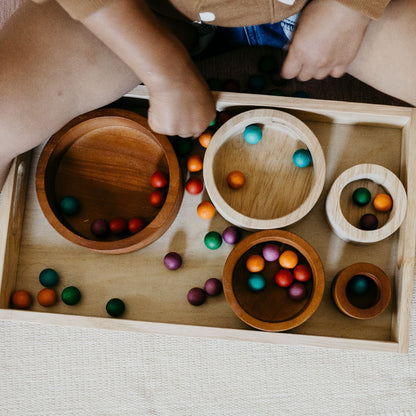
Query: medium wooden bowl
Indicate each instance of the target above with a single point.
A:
(276, 193)
(337, 213)
(271, 309)
(105, 159)
(366, 306)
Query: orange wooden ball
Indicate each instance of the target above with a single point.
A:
(236, 179)
(382, 202)
(21, 299)
(255, 263)
(47, 297)
(205, 138)
(288, 259)
(195, 163)
(206, 210)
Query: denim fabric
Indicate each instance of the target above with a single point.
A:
(217, 39)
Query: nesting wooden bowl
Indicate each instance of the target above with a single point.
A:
(105, 159)
(343, 216)
(271, 309)
(277, 193)
(368, 305)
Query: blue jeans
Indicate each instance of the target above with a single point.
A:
(217, 39)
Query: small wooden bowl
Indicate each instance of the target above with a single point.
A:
(277, 193)
(271, 309)
(105, 159)
(367, 306)
(378, 175)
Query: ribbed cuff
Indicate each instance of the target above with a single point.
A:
(371, 8)
(78, 9)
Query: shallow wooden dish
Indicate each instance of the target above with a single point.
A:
(337, 214)
(271, 309)
(367, 306)
(105, 159)
(276, 193)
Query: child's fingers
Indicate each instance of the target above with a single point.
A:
(291, 67)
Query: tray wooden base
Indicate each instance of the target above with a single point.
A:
(156, 297)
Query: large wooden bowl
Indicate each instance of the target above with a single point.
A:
(276, 193)
(271, 309)
(105, 159)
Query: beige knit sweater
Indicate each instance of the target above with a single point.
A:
(225, 12)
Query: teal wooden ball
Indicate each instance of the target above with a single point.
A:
(115, 307)
(253, 134)
(69, 205)
(359, 285)
(213, 240)
(302, 158)
(71, 295)
(48, 277)
(361, 196)
(256, 282)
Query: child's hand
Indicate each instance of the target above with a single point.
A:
(325, 42)
(181, 107)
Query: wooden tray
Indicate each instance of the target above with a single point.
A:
(156, 297)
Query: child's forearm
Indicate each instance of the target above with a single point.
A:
(131, 30)
(180, 101)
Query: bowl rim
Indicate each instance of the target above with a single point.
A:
(299, 244)
(153, 230)
(302, 133)
(339, 289)
(381, 176)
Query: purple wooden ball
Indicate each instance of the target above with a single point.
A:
(271, 252)
(196, 296)
(172, 261)
(231, 235)
(297, 291)
(368, 222)
(213, 287)
(100, 227)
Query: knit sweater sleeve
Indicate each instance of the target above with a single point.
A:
(373, 8)
(78, 9)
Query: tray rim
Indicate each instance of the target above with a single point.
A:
(13, 197)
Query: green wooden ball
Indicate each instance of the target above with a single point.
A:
(361, 196)
(71, 295)
(213, 240)
(115, 307)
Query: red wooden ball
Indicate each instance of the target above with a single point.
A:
(302, 272)
(194, 186)
(118, 225)
(136, 224)
(157, 198)
(159, 179)
(284, 278)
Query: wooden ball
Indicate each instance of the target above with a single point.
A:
(206, 210)
(47, 297)
(236, 179)
(382, 202)
(21, 299)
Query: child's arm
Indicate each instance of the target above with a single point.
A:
(325, 42)
(180, 100)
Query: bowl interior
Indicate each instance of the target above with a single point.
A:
(268, 168)
(352, 212)
(105, 161)
(276, 192)
(271, 309)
